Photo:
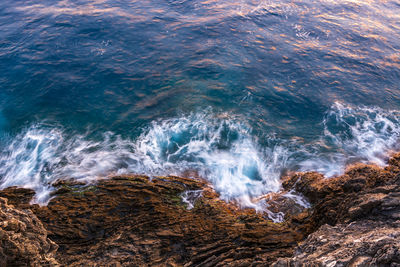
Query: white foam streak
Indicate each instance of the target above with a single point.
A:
(24, 162)
(369, 132)
(190, 197)
(353, 134)
(220, 148)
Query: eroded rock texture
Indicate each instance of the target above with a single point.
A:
(23, 239)
(361, 243)
(137, 221)
(358, 215)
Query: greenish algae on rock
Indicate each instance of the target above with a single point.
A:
(137, 221)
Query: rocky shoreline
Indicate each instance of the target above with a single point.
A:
(354, 220)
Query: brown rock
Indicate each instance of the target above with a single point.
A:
(23, 239)
(135, 221)
(361, 243)
(138, 221)
(357, 217)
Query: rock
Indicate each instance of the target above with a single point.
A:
(137, 221)
(17, 195)
(23, 239)
(361, 243)
(356, 217)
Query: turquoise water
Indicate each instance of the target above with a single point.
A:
(237, 92)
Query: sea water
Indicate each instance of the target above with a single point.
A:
(237, 92)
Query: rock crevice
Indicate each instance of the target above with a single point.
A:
(136, 221)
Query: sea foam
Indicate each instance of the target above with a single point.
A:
(353, 134)
(218, 147)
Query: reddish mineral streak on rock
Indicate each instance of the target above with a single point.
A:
(137, 221)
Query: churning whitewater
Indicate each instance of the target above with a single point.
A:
(218, 147)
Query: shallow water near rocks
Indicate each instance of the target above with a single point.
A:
(239, 92)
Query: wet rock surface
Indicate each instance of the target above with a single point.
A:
(137, 221)
(356, 216)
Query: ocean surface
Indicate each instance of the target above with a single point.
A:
(236, 92)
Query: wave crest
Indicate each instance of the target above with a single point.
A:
(221, 148)
(353, 134)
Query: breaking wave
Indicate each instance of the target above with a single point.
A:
(221, 148)
(353, 134)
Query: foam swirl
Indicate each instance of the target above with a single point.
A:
(220, 148)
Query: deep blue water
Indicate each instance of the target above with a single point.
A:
(238, 92)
